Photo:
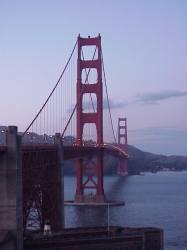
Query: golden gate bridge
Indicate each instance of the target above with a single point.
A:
(75, 122)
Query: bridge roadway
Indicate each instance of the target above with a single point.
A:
(73, 151)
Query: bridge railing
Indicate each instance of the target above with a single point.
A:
(34, 138)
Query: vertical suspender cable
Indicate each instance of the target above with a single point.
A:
(108, 103)
(52, 90)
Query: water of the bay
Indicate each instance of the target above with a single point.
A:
(157, 200)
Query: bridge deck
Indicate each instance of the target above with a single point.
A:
(74, 151)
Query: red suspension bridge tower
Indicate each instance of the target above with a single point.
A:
(122, 142)
(90, 178)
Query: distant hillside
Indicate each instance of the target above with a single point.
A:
(145, 161)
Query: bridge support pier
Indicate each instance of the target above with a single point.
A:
(60, 181)
(123, 167)
(79, 191)
(11, 223)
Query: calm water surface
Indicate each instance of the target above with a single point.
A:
(157, 200)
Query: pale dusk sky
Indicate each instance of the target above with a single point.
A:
(145, 52)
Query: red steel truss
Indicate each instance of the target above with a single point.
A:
(41, 188)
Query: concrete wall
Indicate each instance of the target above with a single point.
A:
(60, 191)
(10, 194)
